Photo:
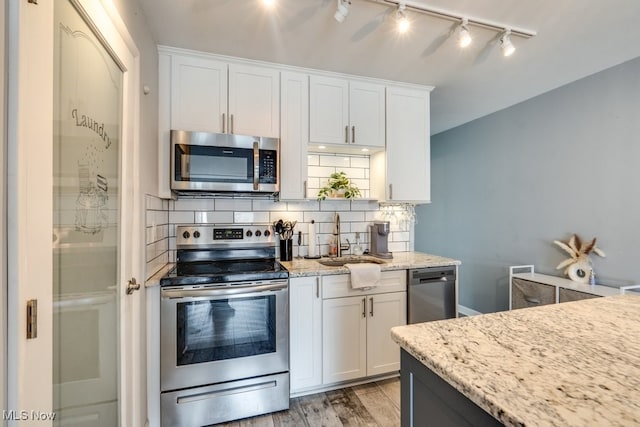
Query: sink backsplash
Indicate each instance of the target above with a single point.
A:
(355, 215)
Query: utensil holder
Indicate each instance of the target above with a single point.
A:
(286, 249)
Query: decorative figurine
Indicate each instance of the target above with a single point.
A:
(578, 267)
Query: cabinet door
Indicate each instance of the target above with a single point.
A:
(525, 293)
(344, 334)
(367, 114)
(305, 331)
(254, 101)
(198, 94)
(384, 312)
(294, 136)
(328, 110)
(408, 151)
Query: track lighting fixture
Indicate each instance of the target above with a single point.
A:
(507, 47)
(403, 20)
(464, 36)
(269, 3)
(342, 10)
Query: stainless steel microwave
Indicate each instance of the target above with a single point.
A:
(220, 162)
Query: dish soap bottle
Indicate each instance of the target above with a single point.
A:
(357, 249)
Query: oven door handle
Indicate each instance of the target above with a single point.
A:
(222, 291)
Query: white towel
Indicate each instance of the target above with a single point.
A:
(364, 276)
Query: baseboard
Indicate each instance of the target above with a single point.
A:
(467, 311)
(344, 384)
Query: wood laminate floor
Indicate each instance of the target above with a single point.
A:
(373, 404)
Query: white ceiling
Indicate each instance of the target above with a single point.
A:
(575, 38)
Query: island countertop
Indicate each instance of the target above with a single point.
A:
(569, 364)
(400, 261)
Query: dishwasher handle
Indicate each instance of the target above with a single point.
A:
(432, 275)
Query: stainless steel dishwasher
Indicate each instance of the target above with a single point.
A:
(431, 294)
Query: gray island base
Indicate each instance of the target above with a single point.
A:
(570, 364)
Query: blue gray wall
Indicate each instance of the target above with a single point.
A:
(508, 184)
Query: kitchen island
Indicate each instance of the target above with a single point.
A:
(570, 364)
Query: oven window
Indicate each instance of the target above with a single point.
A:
(225, 329)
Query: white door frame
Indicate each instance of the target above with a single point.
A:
(29, 203)
(3, 214)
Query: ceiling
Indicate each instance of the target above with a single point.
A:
(575, 38)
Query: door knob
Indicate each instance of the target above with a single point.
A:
(132, 286)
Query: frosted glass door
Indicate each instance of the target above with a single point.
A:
(88, 87)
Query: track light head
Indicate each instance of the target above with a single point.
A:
(403, 20)
(507, 47)
(342, 10)
(464, 36)
(268, 3)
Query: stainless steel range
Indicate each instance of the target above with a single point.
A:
(224, 327)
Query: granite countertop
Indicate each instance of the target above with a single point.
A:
(311, 267)
(569, 364)
(401, 261)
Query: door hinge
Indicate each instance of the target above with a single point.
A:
(32, 318)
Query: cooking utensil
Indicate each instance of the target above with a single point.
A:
(299, 243)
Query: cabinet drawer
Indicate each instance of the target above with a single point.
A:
(531, 294)
(340, 285)
(566, 295)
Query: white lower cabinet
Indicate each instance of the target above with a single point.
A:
(305, 331)
(356, 338)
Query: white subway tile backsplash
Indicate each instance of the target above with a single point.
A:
(313, 160)
(251, 217)
(268, 205)
(181, 217)
(322, 172)
(213, 217)
(194, 205)
(360, 162)
(309, 205)
(337, 161)
(233, 205)
(286, 216)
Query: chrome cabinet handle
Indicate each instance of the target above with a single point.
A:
(305, 190)
(390, 191)
(531, 300)
(317, 287)
(132, 286)
(353, 134)
(346, 134)
(224, 123)
(231, 127)
(371, 309)
(364, 307)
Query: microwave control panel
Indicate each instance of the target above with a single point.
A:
(268, 167)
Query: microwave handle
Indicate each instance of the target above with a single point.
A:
(256, 165)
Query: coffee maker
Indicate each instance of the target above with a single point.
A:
(380, 240)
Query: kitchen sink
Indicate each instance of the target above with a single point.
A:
(339, 262)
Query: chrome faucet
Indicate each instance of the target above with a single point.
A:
(336, 232)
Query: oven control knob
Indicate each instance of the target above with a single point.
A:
(196, 234)
(186, 235)
(267, 233)
(258, 233)
(249, 233)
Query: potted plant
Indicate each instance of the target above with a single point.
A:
(339, 186)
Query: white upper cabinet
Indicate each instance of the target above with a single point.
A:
(254, 101)
(403, 172)
(213, 96)
(198, 94)
(346, 113)
(366, 114)
(294, 136)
